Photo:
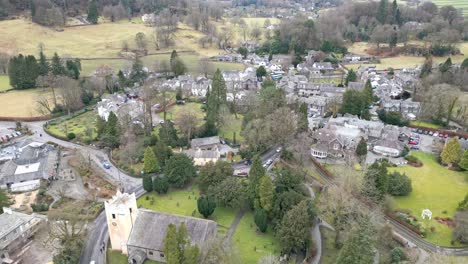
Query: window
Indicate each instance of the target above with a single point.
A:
(130, 210)
(113, 216)
(161, 255)
(150, 253)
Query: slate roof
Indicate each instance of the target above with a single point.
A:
(9, 222)
(200, 142)
(150, 229)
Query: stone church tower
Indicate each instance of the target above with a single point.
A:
(121, 213)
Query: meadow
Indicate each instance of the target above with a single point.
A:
(4, 83)
(435, 188)
(455, 3)
(21, 103)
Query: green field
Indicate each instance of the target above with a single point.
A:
(77, 125)
(425, 124)
(184, 202)
(437, 189)
(175, 111)
(463, 4)
(253, 244)
(4, 83)
(233, 125)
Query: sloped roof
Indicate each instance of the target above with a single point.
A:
(150, 229)
(200, 142)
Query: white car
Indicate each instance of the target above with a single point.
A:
(278, 150)
(435, 134)
(265, 165)
(269, 162)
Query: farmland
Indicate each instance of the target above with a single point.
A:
(21, 103)
(4, 83)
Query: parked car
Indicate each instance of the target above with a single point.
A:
(441, 135)
(278, 150)
(269, 162)
(13, 135)
(413, 142)
(265, 165)
(419, 131)
(414, 147)
(7, 137)
(426, 132)
(18, 133)
(2, 138)
(431, 133)
(106, 165)
(247, 162)
(445, 135)
(436, 134)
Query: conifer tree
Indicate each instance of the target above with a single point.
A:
(452, 152)
(93, 13)
(150, 162)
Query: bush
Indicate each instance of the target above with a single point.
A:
(41, 207)
(206, 206)
(160, 185)
(260, 219)
(413, 161)
(397, 255)
(399, 184)
(71, 136)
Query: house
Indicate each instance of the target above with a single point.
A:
(190, 86)
(30, 163)
(356, 58)
(241, 80)
(388, 145)
(230, 57)
(291, 83)
(204, 150)
(322, 68)
(407, 108)
(356, 86)
(16, 229)
(139, 233)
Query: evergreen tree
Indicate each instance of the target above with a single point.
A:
(464, 161)
(261, 220)
(368, 94)
(426, 68)
(100, 126)
(261, 72)
(73, 68)
(256, 173)
(168, 134)
(206, 206)
(351, 77)
(111, 133)
(162, 152)
(265, 193)
(171, 245)
(376, 181)
(147, 183)
(150, 162)
(179, 170)
(177, 247)
(452, 152)
(93, 13)
(446, 66)
(122, 80)
(214, 173)
(353, 103)
(293, 232)
(464, 64)
(137, 75)
(382, 11)
(216, 99)
(358, 248)
(43, 64)
(56, 66)
(399, 184)
(173, 59)
(361, 150)
(160, 185)
(23, 71)
(303, 123)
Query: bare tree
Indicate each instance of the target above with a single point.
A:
(4, 59)
(244, 28)
(187, 122)
(70, 93)
(206, 67)
(165, 26)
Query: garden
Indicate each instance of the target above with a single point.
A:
(435, 188)
(80, 127)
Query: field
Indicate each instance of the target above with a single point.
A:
(402, 61)
(21, 103)
(252, 244)
(425, 124)
(78, 125)
(184, 202)
(437, 189)
(101, 44)
(4, 83)
(455, 3)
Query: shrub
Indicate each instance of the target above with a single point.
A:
(413, 161)
(206, 206)
(397, 255)
(260, 219)
(71, 136)
(399, 184)
(160, 185)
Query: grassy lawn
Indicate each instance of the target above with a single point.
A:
(77, 125)
(233, 125)
(4, 82)
(437, 189)
(21, 103)
(115, 257)
(175, 111)
(252, 245)
(184, 202)
(424, 124)
(329, 252)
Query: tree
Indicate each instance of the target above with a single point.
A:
(358, 248)
(361, 150)
(228, 193)
(148, 183)
(93, 14)
(351, 77)
(162, 152)
(293, 232)
(141, 42)
(452, 152)
(160, 185)
(43, 69)
(399, 184)
(376, 180)
(353, 103)
(168, 134)
(138, 74)
(303, 122)
(243, 51)
(216, 99)
(261, 220)
(3, 200)
(368, 94)
(111, 133)
(150, 163)
(73, 68)
(446, 66)
(177, 247)
(179, 170)
(179, 67)
(187, 122)
(206, 206)
(464, 161)
(256, 173)
(265, 193)
(23, 71)
(382, 11)
(56, 66)
(214, 173)
(261, 72)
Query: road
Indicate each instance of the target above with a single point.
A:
(407, 234)
(98, 232)
(272, 154)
